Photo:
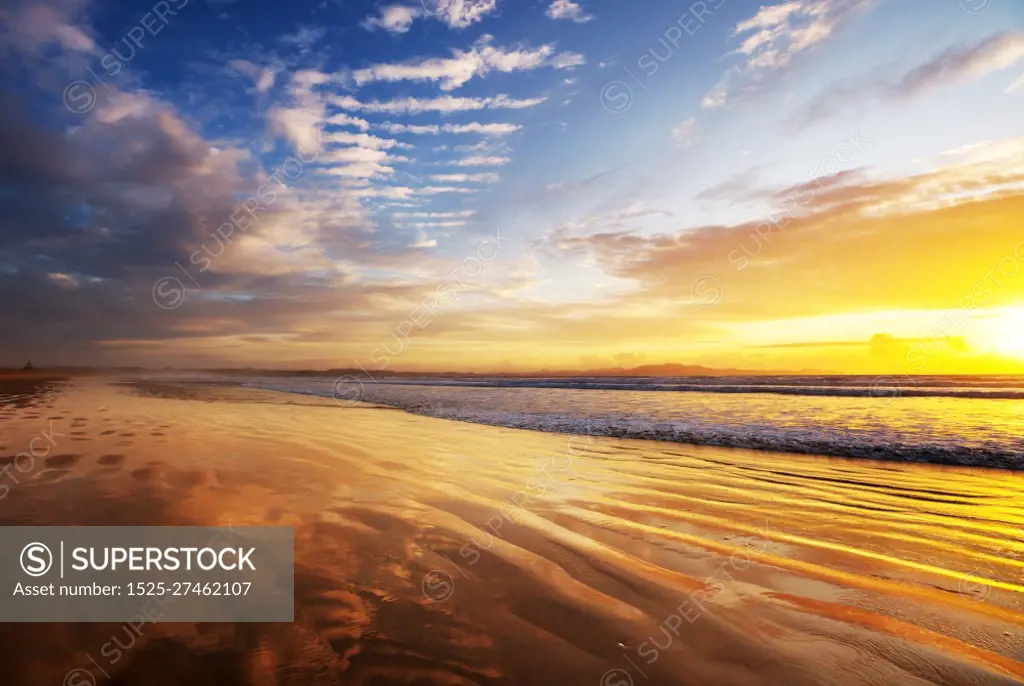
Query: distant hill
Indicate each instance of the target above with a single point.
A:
(652, 370)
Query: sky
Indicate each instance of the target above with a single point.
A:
(488, 185)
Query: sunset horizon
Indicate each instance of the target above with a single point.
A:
(405, 212)
(512, 343)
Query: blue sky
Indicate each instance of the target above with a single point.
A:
(556, 121)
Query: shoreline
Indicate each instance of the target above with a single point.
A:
(462, 553)
(965, 457)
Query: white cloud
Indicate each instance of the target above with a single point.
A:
(490, 147)
(1016, 85)
(394, 18)
(265, 81)
(769, 17)
(996, 52)
(359, 170)
(948, 68)
(416, 129)
(685, 134)
(481, 161)
(434, 129)
(717, 96)
(459, 14)
(262, 78)
(567, 9)
(489, 177)
(358, 162)
(386, 192)
(361, 139)
(422, 241)
(482, 58)
(299, 124)
(342, 119)
(305, 37)
(443, 104)
(779, 33)
(434, 215)
(568, 60)
(484, 129)
(440, 190)
(434, 225)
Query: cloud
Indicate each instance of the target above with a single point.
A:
(434, 225)
(33, 27)
(769, 17)
(496, 129)
(568, 60)
(466, 178)
(778, 34)
(263, 78)
(960, 64)
(301, 119)
(481, 161)
(423, 241)
(299, 124)
(362, 139)
(1016, 85)
(718, 95)
(417, 129)
(464, 65)
(685, 134)
(434, 215)
(840, 253)
(394, 18)
(342, 119)
(950, 67)
(444, 104)
(567, 9)
(305, 37)
(440, 190)
(459, 14)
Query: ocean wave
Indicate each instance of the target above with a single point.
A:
(878, 387)
(926, 429)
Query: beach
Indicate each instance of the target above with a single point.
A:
(432, 551)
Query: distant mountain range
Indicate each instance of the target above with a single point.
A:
(652, 370)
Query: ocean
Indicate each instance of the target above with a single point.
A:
(956, 420)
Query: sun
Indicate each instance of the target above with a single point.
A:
(1003, 332)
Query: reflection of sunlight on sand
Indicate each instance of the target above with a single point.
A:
(620, 534)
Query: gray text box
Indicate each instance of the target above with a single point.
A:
(147, 574)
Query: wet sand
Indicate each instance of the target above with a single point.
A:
(438, 552)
